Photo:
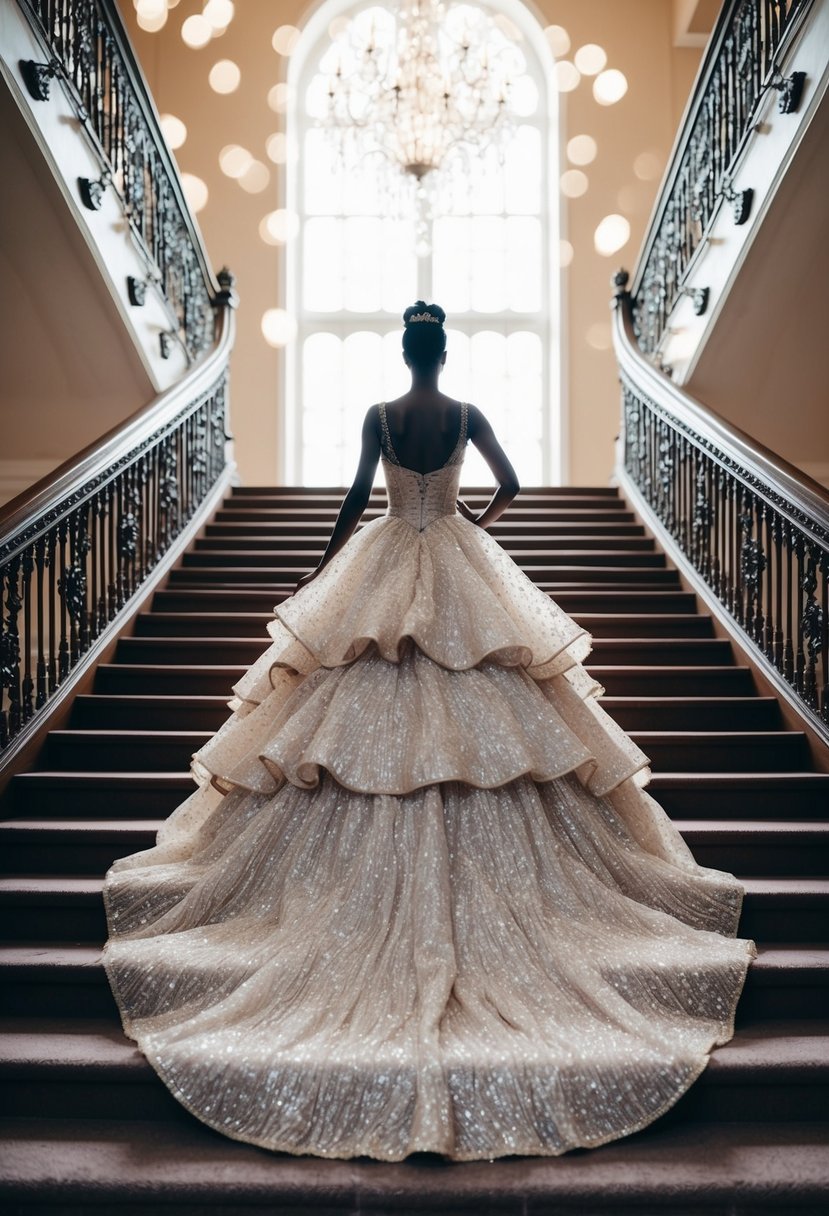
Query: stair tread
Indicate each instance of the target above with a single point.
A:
(190, 1163)
(95, 1044)
(88, 888)
(771, 956)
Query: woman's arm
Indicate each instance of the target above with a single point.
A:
(356, 499)
(483, 436)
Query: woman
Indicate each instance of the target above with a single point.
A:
(421, 900)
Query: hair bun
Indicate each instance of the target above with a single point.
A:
(420, 311)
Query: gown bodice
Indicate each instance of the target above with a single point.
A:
(421, 498)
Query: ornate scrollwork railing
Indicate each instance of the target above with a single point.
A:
(77, 548)
(740, 66)
(87, 52)
(753, 527)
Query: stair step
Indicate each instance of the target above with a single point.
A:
(68, 907)
(98, 795)
(547, 576)
(171, 713)
(143, 1168)
(693, 713)
(90, 1069)
(724, 750)
(290, 528)
(302, 548)
(576, 512)
(149, 748)
(786, 980)
(142, 750)
(690, 681)
(196, 623)
(618, 680)
(230, 599)
(302, 559)
(735, 795)
(244, 651)
(41, 840)
(282, 492)
(684, 795)
(132, 713)
(162, 678)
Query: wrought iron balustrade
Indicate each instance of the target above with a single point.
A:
(70, 562)
(740, 66)
(753, 527)
(88, 53)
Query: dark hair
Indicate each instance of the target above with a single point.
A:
(424, 341)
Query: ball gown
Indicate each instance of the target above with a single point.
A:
(419, 899)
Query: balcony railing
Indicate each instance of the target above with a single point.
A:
(86, 50)
(741, 65)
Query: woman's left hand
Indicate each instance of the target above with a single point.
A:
(465, 511)
(306, 578)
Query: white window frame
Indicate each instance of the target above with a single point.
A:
(547, 323)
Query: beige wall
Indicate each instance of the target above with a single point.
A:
(637, 35)
(766, 365)
(70, 370)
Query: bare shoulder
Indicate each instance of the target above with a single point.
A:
(477, 421)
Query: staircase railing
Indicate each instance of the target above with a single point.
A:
(753, 527)
(87, 51)
(747, 525)
(77, 548)
(740, 66)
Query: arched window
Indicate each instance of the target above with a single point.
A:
(492, 265)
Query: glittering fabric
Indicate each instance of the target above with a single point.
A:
(420, 899)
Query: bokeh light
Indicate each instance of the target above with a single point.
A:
(565, 253)
(581, 149)
(224, 76)
(218, 14)
(151, 15)
(175, 132)
(278, 227)
(647, 166)
(598, 335)
(280, 97)
(278, 327)
(610, 86)
(255, 178)
(590, 58)
(285, 39)
(195, 191)
(558, 38)
(566, 76)
(573, 183)
(196, 32)
(234, 160)
(611, 234)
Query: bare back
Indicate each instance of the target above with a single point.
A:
(424, 429)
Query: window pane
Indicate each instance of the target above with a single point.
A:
(523, 172)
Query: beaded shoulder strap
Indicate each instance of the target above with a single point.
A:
(389, 447)
(459, 446)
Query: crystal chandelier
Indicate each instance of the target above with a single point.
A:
(425, 87)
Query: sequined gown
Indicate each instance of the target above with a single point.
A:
(419, 899)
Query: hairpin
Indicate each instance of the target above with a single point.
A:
(423, 316)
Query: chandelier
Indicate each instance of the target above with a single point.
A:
(425, 87)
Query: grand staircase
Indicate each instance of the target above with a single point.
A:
(87, 1123)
